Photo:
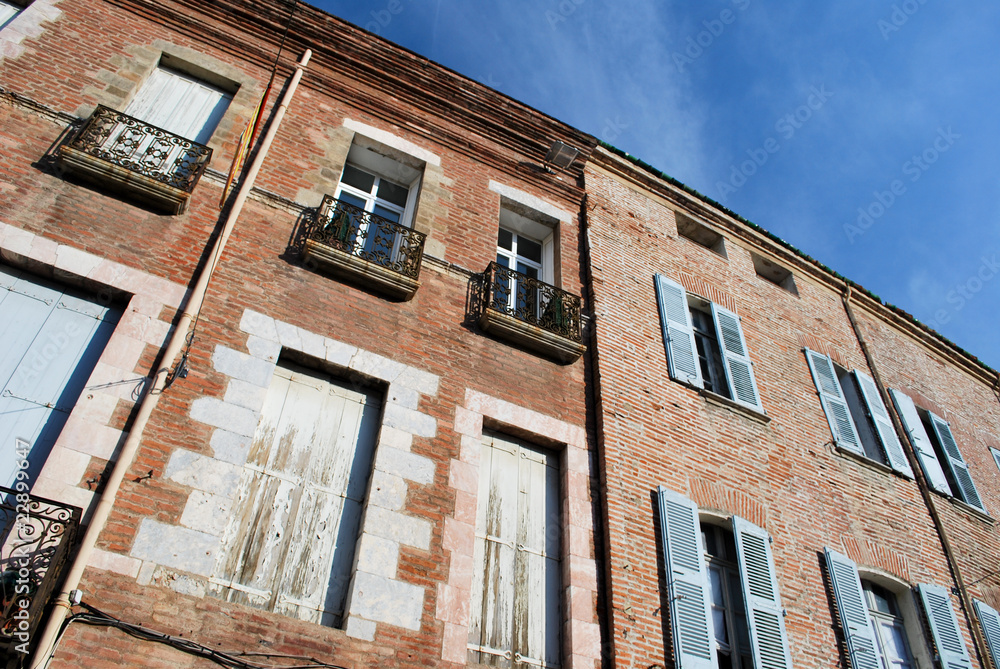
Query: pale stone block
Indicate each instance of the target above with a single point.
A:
(206, 512)
(246, 395)
(398, 143)
(460, 574)
(579, 512)
(114, 562)
(75, 261)
(92, 439)
(414, 422)
(65, 465)
(186, 585)
(377, 555)
(530, 201)
(579, 540)
(339, 353)
(203, 473)
(242, 366)
(94, 407)
(175, 547)
(471, 450)
(387, 601)
(112, 274)
(140, 304)
(465, 506)
(123, 351)
(44, 250)
(390, 437)
(65, 493)
(17, 240)
(116, 381)
(407, 530)
(463, 477)
(582, 572)
(578, 460)
(231, 417)
(146, 572)
(377, 366)
(259, 325)
(230, 447)
(359, 628)
(585, 639)
(312, 344)
(453, 604)
(468, 422)
(581, 604)
(423, 382)
(459, 537)
(289, 335)
(454, 645)
(265, 349)
(404, 397)
(387, 491)
(410, 466)
(144, 328)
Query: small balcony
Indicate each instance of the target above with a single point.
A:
(368, 249)
(126, 155)
(36, 538)
(531, 313)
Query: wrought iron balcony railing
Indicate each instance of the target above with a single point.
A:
(36, 536)
(142, 148)
(532, 301)
(369, 237)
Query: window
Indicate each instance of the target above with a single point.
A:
(725, 609)
(180, 104)
(856, 413)
(8, 11)
(290, 543)
(996, 456)
(953, 479)
(989, 620)
(701, 235)
(706, 353)
(516, 614)
(775, 273)
(881, 625)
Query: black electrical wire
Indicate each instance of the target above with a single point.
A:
(231, 660)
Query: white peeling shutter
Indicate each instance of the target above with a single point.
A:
(678, 333)
(739, 369)
(687, 582)
(857, 626)
(989, 620)
(760, 592)
(883, 425)
(7, 13)
(834, 403)
(179, 104)
(921, 442)
(945, 633)
(955, 461)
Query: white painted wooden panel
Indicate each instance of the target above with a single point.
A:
(51, 341)
(289, 546)
(180, 104)
(7, 13)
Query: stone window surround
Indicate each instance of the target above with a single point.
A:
(87, 433)
(581, 636)
(183, 556)
(28, 23)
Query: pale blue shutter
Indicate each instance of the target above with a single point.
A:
(883, 425)
(857, 626)
(765, 616)
(834, 403)
(989, 620)
(945, 633)
(687, 582)
(956, 463)
(739, 369)
(51, 341)
(678, 334)
(921, 442)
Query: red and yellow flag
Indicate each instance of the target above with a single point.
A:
(245, 142)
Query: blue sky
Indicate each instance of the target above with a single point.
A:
(863, 132)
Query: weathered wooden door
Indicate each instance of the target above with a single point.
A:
(290, 543)
(516, 592)
(50, 341)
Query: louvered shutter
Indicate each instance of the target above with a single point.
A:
(883, 424)
(834, 403)
(857, 626)
(921, 442)
(989, 620)
(954, 460)
(739, 369)
(760, 592)
(996, 456)
(687, 582)
(945, 633)
(678, 333)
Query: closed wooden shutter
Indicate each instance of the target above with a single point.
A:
(739, 368)
(956, 463)
(921, 442)
(289, 546)
(678, 333)
(855, 622)
(516, 617)
(687, 582)
(943, 624)
(180, 104)
(883, 425)
(834, 403)
(765, 616)
(989, 620)
(51, 341)
(7, 13)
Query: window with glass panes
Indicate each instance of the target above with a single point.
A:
(887, 624)
(729, 618)
(524, 255)
(709, 359)
(376, 195)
